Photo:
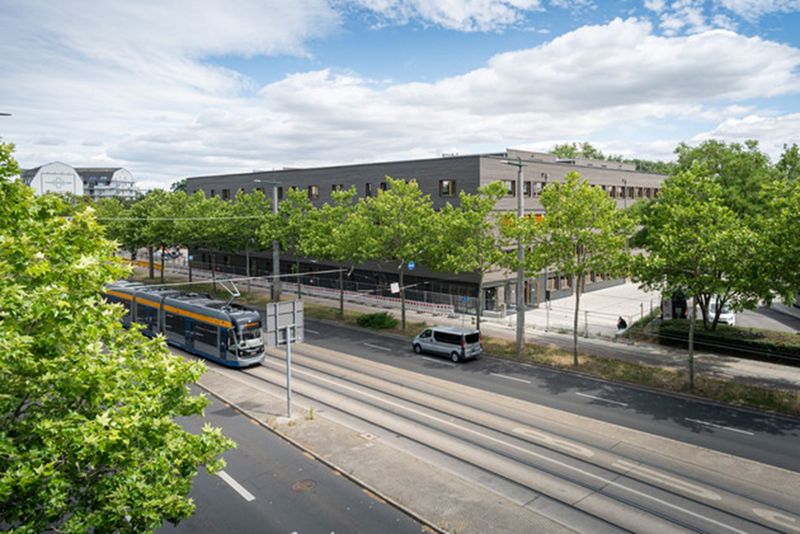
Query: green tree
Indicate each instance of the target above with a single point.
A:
(781, 238)
(741, 169)
(178, 186)
(250, 211)
(336, 232)
(788, 165)
(582, 231)
(695, 243)
(116, 216)
(466, 237)
(161, 209)
(88, 441)
(401, 218)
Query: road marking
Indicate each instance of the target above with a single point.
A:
(434, 360)
(311, 331)
(600, 399)
(555, 442)
(563, 465)
(377, 347)
(785, 521)
(238, 488)
(511, 378)
(668, 480)
(714, 425)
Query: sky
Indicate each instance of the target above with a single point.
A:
(196, 87)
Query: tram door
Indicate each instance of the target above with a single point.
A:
(189, 339)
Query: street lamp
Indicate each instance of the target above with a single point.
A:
(276, 262)
(520, 259)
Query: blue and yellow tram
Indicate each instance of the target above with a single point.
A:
(221, 332)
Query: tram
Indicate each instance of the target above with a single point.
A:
(222, 332)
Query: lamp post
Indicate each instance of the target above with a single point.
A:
(276, 249)
(520, 260)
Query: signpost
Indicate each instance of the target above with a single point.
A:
(284, 326)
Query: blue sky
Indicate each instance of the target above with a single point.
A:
(170, 89)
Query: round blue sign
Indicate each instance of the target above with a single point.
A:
(411, 266)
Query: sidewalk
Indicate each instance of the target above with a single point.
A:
(750, 372)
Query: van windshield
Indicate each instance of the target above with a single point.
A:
(473, 338)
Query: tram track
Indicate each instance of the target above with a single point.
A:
(327, 382)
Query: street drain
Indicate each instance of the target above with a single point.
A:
(303, 485)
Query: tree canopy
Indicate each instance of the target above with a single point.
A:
(88, 439)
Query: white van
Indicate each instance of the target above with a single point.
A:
(457, 343)
(726, 315)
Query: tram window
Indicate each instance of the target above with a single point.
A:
(145, 314)
(205, 333)
(174, 323)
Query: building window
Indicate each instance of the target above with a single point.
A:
(226, 194)
(213, 192)
(655, 192)
(612, 191)
(337, 187)
(544, 176)
(527, 190)
(604, 188)
(260, 190)
(280, 192)
(313, 192)
(622, 192)
(646, 192)
(447, 188)
(382, 186)
(630, 191)
(511, 188)
(538, 187)
(638, 192)
(367, 189)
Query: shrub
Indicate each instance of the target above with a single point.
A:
(378, 321)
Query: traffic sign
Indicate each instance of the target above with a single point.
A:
(411, 265)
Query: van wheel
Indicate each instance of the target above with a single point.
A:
(455, 357)
(417, 348)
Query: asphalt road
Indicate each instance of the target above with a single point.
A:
(750, 434)
(588, 481)
(270, 486)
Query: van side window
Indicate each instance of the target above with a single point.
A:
(445, 337)
(426, 333)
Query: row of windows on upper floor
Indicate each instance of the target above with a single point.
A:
(447, 188)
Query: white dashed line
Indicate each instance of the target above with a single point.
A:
(601, 399)
(377, 347)
(311, 331)
(511, 378)
(238, 488)
(434, 360)
(714, 425)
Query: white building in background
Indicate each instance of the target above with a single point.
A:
(55, 177)
(107, 182)
(94, 182)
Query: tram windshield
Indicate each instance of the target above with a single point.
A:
(251, 334)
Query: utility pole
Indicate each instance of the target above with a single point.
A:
(276, 249)
(520, 260)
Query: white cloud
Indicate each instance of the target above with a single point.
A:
(773, 132)
(754, 9)
(165, 113)
(462, 15)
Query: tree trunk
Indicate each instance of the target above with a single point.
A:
(247, 268)
(299, 282)
(341, 293)
(479, 306)
(577, 288)
(162, 264)
(214, 270)
(151, 266)
(402, 301)
(691, 343)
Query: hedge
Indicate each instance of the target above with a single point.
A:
(378, 321)
(751, 343)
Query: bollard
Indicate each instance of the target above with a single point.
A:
(585, 323)
(641, 310)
